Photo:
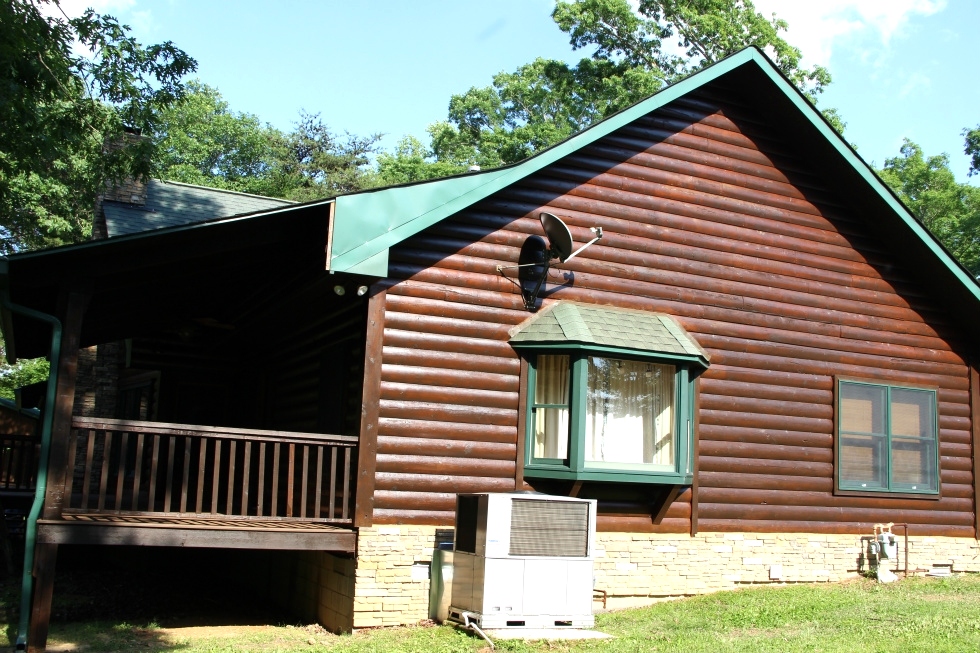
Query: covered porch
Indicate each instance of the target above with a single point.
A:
(208, 388)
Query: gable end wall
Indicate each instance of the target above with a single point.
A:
(709, 217)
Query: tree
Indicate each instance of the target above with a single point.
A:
(64, 117)
(950, 210)
(201, 140)
(322, 164)
(546, 101)
(972, 149)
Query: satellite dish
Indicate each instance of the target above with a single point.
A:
(559, 237)
(559, 247)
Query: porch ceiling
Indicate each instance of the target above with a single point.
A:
(158, 282)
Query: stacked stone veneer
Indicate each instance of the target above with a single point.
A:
(391, 588)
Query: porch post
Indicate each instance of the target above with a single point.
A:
(367, 447)
(46, 555)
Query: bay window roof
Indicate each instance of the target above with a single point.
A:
(569, 324)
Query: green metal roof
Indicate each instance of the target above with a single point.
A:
(567, 323)
(367, 224)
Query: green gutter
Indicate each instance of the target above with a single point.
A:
(30, 537)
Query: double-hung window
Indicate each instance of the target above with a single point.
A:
(610, 395)
(887, 439)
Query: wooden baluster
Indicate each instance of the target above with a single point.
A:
(245, 471)
(154, 462)
(87, 478)
(202, 462)
(346, 483)
(230, 499)
(275, 479)
(319, 482)
(216, 477)
(261, 488)
(185, 480)
(137, 475)
(306, 476)
(290, 478)
(28, 474)
(70, 475)
(333, 483)
(121, 468)
(104, 480)
(7, 462)
(168, 489)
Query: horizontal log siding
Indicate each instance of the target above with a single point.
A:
(715, 223)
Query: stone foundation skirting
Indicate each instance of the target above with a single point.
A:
(391, 579)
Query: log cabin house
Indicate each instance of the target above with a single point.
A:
(764, 356)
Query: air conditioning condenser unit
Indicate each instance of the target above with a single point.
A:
(523, 560)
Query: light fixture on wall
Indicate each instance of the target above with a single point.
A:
(559, 247)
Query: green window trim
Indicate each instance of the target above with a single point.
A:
(880, 440)
(575, 467)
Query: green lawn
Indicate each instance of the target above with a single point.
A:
(918, 614)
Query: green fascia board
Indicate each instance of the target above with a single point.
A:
(367, 223)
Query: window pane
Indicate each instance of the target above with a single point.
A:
(914, 464)
(551, 380)
(551, 433)
(629, 412)
(862, 408)
(912, 413)
(551, 384)
(863, 461)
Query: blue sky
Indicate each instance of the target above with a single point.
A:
(901, 68)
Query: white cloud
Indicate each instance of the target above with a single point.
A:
(816, 28)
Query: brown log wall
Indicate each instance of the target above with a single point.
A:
(708, 217)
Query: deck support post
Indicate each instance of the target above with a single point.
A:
(45, 556)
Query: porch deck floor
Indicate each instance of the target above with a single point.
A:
(196, 531)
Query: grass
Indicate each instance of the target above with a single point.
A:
(917, 614)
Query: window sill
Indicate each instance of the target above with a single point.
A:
(608, 475)
(885, 494)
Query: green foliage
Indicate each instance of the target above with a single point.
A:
(23, 372)
(201, 140)
(950, 210)
(546, 101)
(320, 163)
(706, 30)
(413, 161)
(972, 148)
(64, 117)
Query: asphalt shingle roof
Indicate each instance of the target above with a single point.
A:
(573, 323)
(170, 204)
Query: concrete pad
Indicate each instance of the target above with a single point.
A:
(546, 633)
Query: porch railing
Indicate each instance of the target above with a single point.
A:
(18, 463)
(156, 469)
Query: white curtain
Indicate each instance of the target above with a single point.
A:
(629, 412)
(551, 424)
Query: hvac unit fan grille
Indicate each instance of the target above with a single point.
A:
(549, 528)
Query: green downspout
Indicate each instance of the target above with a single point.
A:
(30, 536)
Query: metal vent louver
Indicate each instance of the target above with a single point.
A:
(549, 528)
